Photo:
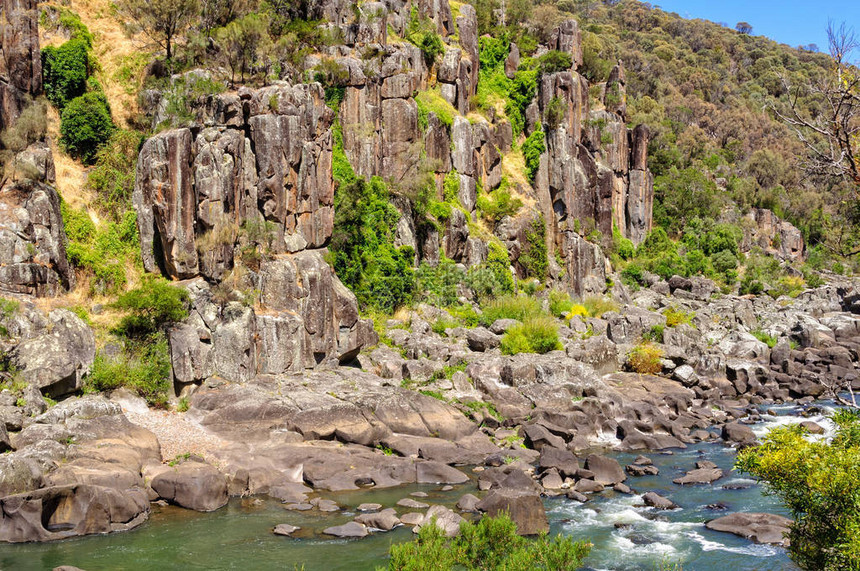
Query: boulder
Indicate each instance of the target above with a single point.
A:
(468, 503)
(759, 527)
(655, 500)
(736, 432)
(285, 529)
(385, 520)
(524, 507)
(438, 473)
(444, 518)
(607, 471)
(699, 476)
(482, 339)
(351, 529)
(193, 485)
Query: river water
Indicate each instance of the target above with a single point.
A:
(626, 536)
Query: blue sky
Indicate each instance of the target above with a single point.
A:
(792, 22)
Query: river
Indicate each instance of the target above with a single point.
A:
(626, 536)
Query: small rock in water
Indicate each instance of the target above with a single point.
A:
(468, 503)
(325, 505)
(351, 529)
(619, 525)
(386, 520)
(446, 488)
(638, 539)
(646, 470)
(412, 504)
(285, 529)
(298, 507)
(737, 486)
(642, 461)
(577, 496)
(622, 488)
(655, 500)
(812, 427)
(369, 507)
(719, 506)
(418, 494)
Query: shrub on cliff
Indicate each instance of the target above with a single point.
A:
(492, 543)
(362, 246)
(141, 367)
(533, 148)
(64, 71)
(151, 306)
(818, 480)
(534, 335)
(533, 258)
(86, 125)
(112, 178)
(517, 307)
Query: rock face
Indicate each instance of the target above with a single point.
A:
(20, 59)
(776, 237)
(193, 485)
(250, 195)
(524, 507)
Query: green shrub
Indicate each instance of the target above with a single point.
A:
(645, 359)
(438, 285)
(64, 71)
(498, 204)
(104, 252)
(451, 187)
(655, 334)
(749, 285)
(143, 367)
(554, 61)
(431, 101)
(633, 276)
(112, 177)
(86, 125)
(621, 245)
(499, 263)
(151, 306)
(597, 305)
(533, 258)
(725, 263)
(559, 303)
(510, 307)
(533, 148)
(362, 246)
(492, 543)
(676, 317)
(466, 314)
(817, 479)
(431, 48)
(768, 340)
(656, 244)
(534, 335)
(667, 265)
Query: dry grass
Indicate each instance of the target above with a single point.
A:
(514, 169)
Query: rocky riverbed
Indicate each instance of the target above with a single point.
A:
(82, 467)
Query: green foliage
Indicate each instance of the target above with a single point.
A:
(681, 195)
(597, 305)
(656, 244)
(77, 30)
(451, 187)
(676, 317)
(499, 264)
(431, 48)
(431, 101)
(769, 340)
(633, 276)
(143, 367)
(534, 335)
(65, 70)
(8, 308)
(498, 204)
(655, 334)
(243, 42)
(533, 148)
(151, 306)
(438, 285)
(559, 303)
(712, 238)
(85, 125)
(342, 170)
(621, 245)
(819, 481)
(510, 307)
(554, 61)
(362, 246)
(533, 257)
(523, 88)
(112, 177)
(490, 544)
(750, 286)
(104, 252)
(645, 359)
(725, 263)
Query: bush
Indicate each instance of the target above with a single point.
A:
(362, 246)
(676, 317)
(597, 305)
(438, 285)
(534, 335)
(86, 125)
(768, 340)
(142, 367)
(64, 71)
(559, 303)
(749, 285)
(510, 307)
(655, 334)
(499, 264)
(633, 276)
(656, 244)
(112, 178)
(645, 359)
(498, 205)
(104, 252)
(621, 245)
(668, 265)
(151, 306)
(431, 48)
(725, 263)
(533, 258)
(533, 148)
(431, 101)
(554, 61)
(492, 543)
(818, 481)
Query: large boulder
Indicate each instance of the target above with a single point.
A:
(759, 527)
(607, 471)
(193, 485)
(524, 507)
